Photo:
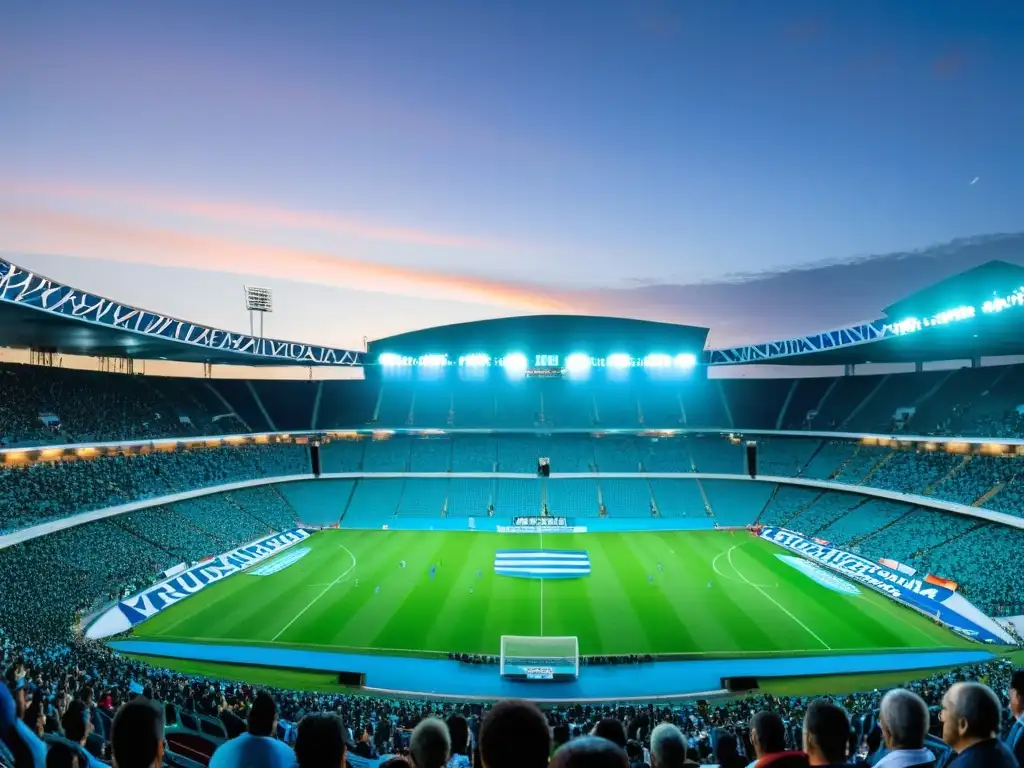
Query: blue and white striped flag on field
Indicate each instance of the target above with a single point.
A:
(541, 563)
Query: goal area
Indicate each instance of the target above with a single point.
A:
(529, 657)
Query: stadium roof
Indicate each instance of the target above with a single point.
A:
(41, 314)
(550, 334)
(975, 314)
(971, 315)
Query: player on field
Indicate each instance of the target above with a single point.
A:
(650, 579)
(660, 569)
(402, 564)
(433, 572)
(377, 590)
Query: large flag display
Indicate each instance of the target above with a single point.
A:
(541, 564)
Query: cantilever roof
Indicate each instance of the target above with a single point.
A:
(41, 314)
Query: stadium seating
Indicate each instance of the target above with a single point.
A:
(37, 492)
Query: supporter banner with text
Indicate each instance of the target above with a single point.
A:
(927, 597)
(141, 606)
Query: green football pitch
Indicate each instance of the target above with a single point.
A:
(715, 593)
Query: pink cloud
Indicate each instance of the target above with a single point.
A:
(258, 215)
(39, 230)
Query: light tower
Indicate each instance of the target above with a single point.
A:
(259, 300)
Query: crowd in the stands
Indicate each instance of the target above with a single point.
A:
(73, 695)
(36, 492)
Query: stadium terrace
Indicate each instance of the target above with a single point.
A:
(564, 509)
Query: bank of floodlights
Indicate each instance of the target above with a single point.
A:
(578, 363)
(390, 360)
(478, 360)
(685, 360)
(619, 360)
(515, 364)
(433, 361)
(658, 360)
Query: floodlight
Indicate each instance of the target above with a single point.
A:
(433, 361)
(657, 360)
(515, 362)
(390, 359)
(577, 362)
(685, 360)
(478, 360)
(619, 360)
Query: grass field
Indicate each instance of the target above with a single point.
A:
(755, 604)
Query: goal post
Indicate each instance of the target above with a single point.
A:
(531, 657)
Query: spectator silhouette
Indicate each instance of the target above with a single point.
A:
(826, 733)
(259, 746)
(590, 752)
(322, 742)
(768, 738)
(430, 744)
(137, 735)
(515, 735)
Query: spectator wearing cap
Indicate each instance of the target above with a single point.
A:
(971, 716)
(1015, 738)
(259, 746)
(590, 752)
(137, 735)
(515, 735)
(322, 742)
(904, 720)
(430, 744)
(768, 738)
(826, 734)
(668, 747)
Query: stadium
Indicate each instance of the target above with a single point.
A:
(566, 509)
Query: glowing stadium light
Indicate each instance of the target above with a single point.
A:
(390, 359)
(478, 360)
(515, 362)
(657, 360)
(619, 360)
(433, 361)
(998, 304)
(577, 363)
(685, 360)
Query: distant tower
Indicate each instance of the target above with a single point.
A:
(259, 300)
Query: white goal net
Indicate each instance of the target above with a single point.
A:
(540, 658)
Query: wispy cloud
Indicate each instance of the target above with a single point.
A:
(246, 213)
(39, 230)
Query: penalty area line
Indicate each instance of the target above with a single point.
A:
(778, 605)
(325, 590)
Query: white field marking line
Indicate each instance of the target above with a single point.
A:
(779, 605)
(766, 654)
(727, 577)
(325, 590)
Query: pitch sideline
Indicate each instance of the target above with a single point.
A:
(323, 592)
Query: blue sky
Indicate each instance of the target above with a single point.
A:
(392, 165)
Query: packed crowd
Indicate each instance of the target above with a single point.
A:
(76, 694)
(40, 491)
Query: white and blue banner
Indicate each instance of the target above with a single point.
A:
(141, 606)
(541, 563)
(935, 601)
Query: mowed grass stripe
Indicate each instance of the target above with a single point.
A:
(614, 610)
(570, 608)
(843, 620)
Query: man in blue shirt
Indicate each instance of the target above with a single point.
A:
(258, 747)
(971, 716)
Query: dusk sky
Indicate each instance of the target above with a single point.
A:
(763, 168)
